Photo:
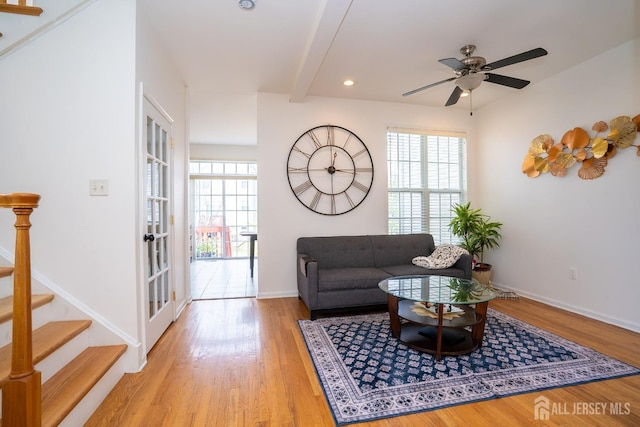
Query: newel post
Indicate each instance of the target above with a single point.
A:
(22, 393)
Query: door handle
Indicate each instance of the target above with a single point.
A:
(149, 238)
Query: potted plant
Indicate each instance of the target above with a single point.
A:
(477, 233)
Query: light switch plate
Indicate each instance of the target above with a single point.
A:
(98, 187)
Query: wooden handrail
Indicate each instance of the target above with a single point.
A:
(22, 393)
(20, 8)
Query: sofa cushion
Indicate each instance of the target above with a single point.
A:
(338, 251)
(444, 256)
(400, 249)
(414, 270)
(332, 279)
(406, 270)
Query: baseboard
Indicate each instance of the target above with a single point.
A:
(635, 327)
(283, 294)
(181, 307)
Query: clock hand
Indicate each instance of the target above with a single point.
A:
(331, 174)
(332, 169)
(329, 169)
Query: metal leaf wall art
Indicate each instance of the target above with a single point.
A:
(577, 146)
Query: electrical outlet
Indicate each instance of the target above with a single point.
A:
(98, 187)
(573, 273)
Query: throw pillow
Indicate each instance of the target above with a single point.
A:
(444, 256)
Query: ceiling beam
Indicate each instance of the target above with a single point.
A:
(321, 37)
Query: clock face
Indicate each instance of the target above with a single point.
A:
(330, 170)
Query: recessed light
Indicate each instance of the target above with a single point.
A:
(247, 4)
(348, 83)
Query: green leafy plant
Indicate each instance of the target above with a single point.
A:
(475, 229)
(464, 290)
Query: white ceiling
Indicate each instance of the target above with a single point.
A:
(388, 47)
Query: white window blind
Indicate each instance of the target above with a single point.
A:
(426, 176)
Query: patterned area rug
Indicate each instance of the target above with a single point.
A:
(367, 375)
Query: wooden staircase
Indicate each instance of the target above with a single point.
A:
(25, 400)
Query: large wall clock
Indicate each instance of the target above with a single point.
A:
(330, 170)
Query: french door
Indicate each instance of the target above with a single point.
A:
(224, 205)
(157, 235)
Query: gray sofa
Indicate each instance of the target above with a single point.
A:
(342, 272)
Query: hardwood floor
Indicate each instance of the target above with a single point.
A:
(243, 362)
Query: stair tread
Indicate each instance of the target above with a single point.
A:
(69, 385)
(6, 305)
(46, 340)
(6, 271)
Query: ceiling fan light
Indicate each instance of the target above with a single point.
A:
(464, 94)
(470, 81)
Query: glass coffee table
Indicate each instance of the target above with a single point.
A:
(437, 314)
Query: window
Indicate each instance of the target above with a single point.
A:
(426, 176)
(224, 198)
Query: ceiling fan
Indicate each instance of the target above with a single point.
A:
(471, 71)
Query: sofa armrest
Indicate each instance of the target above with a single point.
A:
(307, 275)
(464, 264)
(303, 261)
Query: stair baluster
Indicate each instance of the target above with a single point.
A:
(21, 394)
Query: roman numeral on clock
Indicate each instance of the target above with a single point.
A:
(308, 156)
(302, 187)
(330, 139)
(316, 199)
(315, 139)
(359, 153)
(363, 170)
(360, 186)
(349, 200)
(297, 170)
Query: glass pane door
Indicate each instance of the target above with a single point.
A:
(157, 193)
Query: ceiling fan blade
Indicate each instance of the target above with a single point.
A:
(453, 63)
(411, 92)
(455, 95)
(525, 56)
(506, 80)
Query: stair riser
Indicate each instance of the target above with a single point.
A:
(39, 317)
(62, 356)
(6, 286)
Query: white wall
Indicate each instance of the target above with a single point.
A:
(222, 118)
(67, 114)
(18, 29)
(162, 81)
(551, 223)
(223, 152)
(281, 217)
